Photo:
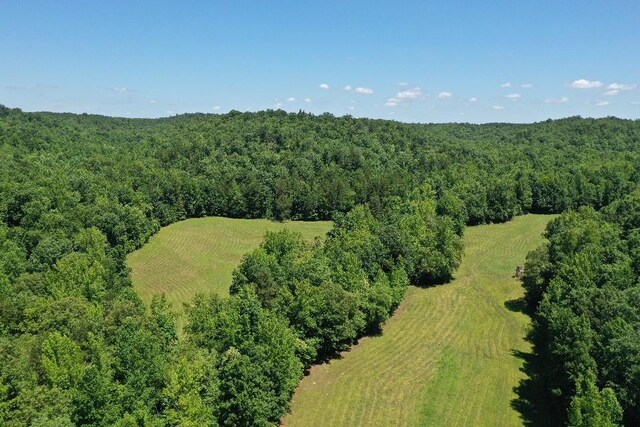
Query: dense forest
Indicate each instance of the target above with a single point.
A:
(583, 286)
(79, 192)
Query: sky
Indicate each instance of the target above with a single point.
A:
(412, 61)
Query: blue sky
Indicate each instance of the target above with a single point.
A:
(418, 61)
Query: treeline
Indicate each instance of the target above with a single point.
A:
(85, 352)
(298, 166)
(294, 303)
(79, 192)
(583, 285)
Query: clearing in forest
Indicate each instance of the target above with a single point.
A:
(448, 356)
(200, 254)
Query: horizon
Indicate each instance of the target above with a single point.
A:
(459, 62)
(269, 110)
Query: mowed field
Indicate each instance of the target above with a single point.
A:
(200, 254)
(446, 357)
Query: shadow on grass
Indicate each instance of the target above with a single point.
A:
(533, 401)
(327, 357)
(517, 305)
(426, 281)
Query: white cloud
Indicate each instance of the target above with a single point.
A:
(277, 105)
(307, 100)
(473, 99)
(120, 89)
(586, 84)
(404, 96)
(444, 95)
(498, 107)
(363, 90)
(216, 108)
(526, 85)
(352, 108)
(621, 86)
(359, 90)
(403, 84)
(612, 92)
(513, 96)
(507, 84)
(153, 101)
(291, 99)
(602, 103)
(414, 93)
(556, 100)
(324, 86)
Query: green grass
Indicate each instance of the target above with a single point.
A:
(446, 357)
(199, 255)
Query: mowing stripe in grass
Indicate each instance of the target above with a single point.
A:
(200, 254)
(446, 357)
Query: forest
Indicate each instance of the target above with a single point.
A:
(80, 192)
(582, 286)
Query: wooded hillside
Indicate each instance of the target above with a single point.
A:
(79, 192)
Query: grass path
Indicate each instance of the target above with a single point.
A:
(446, 356)
(200, 254)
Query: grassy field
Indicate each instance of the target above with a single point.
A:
(446, 358)
(199, 255)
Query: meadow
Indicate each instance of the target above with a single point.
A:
(448, 356)
(200, 254)
(451, 343)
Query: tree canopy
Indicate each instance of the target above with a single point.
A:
(79, 192)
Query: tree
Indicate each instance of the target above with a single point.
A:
(591, 407)
(191, 393)
(62, 361)
(258, 367)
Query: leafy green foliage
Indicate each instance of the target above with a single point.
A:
(191, 393)
(258, 367)
(593, 407)
(79, 192)
(62, 361)
(584, 289)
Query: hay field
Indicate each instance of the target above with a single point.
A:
(200, 254)
(446, 357)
